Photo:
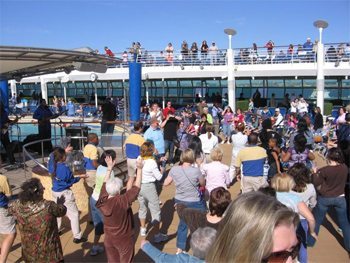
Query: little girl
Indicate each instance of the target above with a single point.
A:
(216, 173)
(273, 159)
(148, 196)
(63, 179)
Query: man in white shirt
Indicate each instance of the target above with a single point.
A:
(279, 121)
(302, 107)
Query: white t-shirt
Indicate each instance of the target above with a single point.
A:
(150, 171)
(208, 144)
(308, 196)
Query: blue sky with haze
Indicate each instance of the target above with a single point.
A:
(70, 24)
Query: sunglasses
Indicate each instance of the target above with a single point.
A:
(282, 256)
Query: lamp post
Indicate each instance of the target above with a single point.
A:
(231, 89)
(320, 24)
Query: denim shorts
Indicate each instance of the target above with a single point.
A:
(97, 217)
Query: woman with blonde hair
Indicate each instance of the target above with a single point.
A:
(256, 228)
(215, 172)
(283, 184)
(187, 180)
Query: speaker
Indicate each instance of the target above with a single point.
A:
(90, 67)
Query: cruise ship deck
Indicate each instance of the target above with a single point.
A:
(328, 248)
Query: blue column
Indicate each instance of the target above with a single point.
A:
(4, 93)
(135, 71)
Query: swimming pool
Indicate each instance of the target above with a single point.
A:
(20, 131)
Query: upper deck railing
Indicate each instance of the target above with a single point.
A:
(334, 52)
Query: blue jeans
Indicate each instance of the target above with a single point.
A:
(302, 231)
(226, 128)
(97, 217)
(319, 212)
(169, 145)
(182, 227)
(107, 127)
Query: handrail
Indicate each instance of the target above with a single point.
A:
(278, 54)
(25, 152)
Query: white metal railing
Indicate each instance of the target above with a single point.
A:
(40, 161)
(242, 56)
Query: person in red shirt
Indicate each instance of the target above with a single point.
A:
(168, 109)
(109, 52)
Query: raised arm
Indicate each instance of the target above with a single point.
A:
(139, 165)
(110, 164)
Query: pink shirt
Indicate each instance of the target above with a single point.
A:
(216, 175)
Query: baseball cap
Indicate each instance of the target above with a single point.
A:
(277, 109)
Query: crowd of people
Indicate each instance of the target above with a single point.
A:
(284, 195)
(193, 53)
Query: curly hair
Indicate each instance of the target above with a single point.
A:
(32, 191)
(147, 149)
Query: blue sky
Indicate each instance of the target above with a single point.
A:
(70, 24)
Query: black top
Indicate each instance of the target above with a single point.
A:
(318, 124)
(264, 137)
(109, 111)
(170, 129)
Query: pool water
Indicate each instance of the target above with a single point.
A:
(20, 131)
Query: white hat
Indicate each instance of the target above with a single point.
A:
(277, 109)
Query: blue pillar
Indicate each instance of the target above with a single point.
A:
(4, 93)
(135, 71)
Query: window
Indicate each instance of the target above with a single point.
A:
(171, 83)
(279, 93)
(293, 83)
(257, 83)
(117, 84)
(275, 83)
(197, 83)
(307, 93)
(331, 83)
(243, 83)
(345, 95)
(185, 83)
(309, 83)
(213, 83)
(187, 92)
(172, 92)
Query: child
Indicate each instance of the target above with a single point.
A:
(273, 159)
(292, 121)
(90, 157)
(148, 196)
(216, 173)
(63, 179)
